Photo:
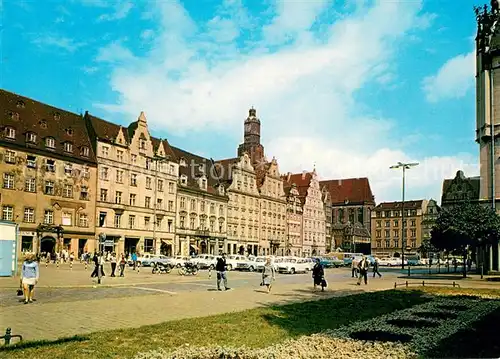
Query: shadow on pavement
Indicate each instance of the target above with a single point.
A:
(434, 276)
(316, 315)
(44, 343)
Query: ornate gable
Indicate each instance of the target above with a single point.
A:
(120, 137)
(140, 139)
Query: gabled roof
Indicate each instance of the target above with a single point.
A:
(470, 188)
(210, 171)
(301, 180)
(398, 205)
(353, 190)
(225, 169)
(27, 115)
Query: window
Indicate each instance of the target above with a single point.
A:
(379, 234)
(147, 202)
(50, 165)
(68, 191)
(413, 243)
(379, 224)
(148, 182)
(8, 213)
(191, 223)
(142, 144)
(104, 173)
(171, 187)
(48, 217)
(8, 180)
(212, 225)
(119, 156)
(83, 220)
(50, 142)
(29, 215)
(396, 223)
(159, 222)
(183, 179)
(396, 243)
(159, 203)
(133, 158)
(10, 133)
(395, 233)
(182, 203)
(221, 210)
(212, 208)
(30, 185)
(104, 195)
(133, 179)
(119, 176)
(102, 219)
(43, 123)
(31, 161)
(118, 197)
(169, 225)
(360, 215)
(203, 183)
(118, 220)
(49, 187)
(387, 243)
(68, 147)
(413, 233)
(57, 116)
(105, 151)
(68, 168)
(85, 172)
(171, 169)
(85, 151)
(10, 157)
(202, 224)
(387, 233)
(148, 163)
(171, 206)
(66, 219)
(131, 221)
(132, 199)
(387, 223)
(160, 186)
(182, 221)
(147, 222)
(413, 223)
(31, 137)
(193, 205)
(84, 193)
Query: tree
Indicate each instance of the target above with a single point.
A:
(426, 248)
(464, 226)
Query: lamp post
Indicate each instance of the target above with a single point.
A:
(404, 166)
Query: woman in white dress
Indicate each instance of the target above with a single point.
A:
(29, 277)
(268, 274)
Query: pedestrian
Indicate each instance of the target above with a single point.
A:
(363, 266)
(354, 267)
(95, 272)
(375, 268)
(29, 277)
(113, 264)
(134, 260)
(268, 275)
(318, 274)
(101, 264)
(220, 267)
(122, 265)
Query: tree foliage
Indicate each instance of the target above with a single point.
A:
(465, 225)
(426, 247)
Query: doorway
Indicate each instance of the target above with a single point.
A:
(47, 245)
(166, 249)
(82, 244)
(131, 245)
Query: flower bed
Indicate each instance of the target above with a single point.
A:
(402, 334)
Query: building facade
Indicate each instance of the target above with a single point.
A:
(460, 189)
(387, 223)
(201, 225)
(136, 186)
(48, 171)
(429, 216)
(351, 204)
(327, 202)
(243, 213)
(313, 215)
(294, 221)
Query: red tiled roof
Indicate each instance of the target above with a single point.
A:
(301, 180)
(354, 190)
(225, 168)
(397, 205)
(26, 115)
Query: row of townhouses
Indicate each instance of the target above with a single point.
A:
(80, 183)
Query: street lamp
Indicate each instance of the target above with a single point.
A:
(404, 166)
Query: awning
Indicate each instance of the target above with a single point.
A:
(195, 247)
(166, 241)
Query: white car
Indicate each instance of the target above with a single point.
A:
(236, 262)
(310, 263)
(256, 264)
(205, 261)
(293, 265)
(160, 258)
(391, 262)
(180, 261)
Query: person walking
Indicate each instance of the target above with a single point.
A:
(95, 272)
(268, 275)
(29, 277)
(375, 268)
(113, 264)
(363, 266)
(220, 267)
(122, 265)
(318, 274)
(354, 267)
(101, 263)
(134, 260)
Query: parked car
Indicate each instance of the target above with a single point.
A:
(236, 262)
(256, 264)
(310, 263)
(204, 261)
(180, 261)
(293, 265)
(150, 262)
(145, 258)
(391, 262)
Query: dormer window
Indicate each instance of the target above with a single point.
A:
(142, 144)
(69, 131)
(183, 180)
(50, 142)
(43, 123)
(85, 151)
(203, 183)
(182, 162)
(221, 190)
(20, 104)
(57, 116)
(31, 137)
(10, 132)
(14, 116)
(68, 147)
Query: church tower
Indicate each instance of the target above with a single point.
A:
(488, 100)
(251, 140)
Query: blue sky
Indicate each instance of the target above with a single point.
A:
(348, 86)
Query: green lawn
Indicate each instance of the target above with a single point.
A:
(259, 327)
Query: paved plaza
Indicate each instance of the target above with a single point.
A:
(69, 302)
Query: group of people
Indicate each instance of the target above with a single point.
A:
(268, 274)
(99, 259)
(360, 269)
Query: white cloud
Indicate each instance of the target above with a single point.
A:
(304, 92)
(114, 52)
(121, 11)
(51, 40)
(454, 78)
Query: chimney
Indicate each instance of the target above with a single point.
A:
(304, 172)
(288, 176)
